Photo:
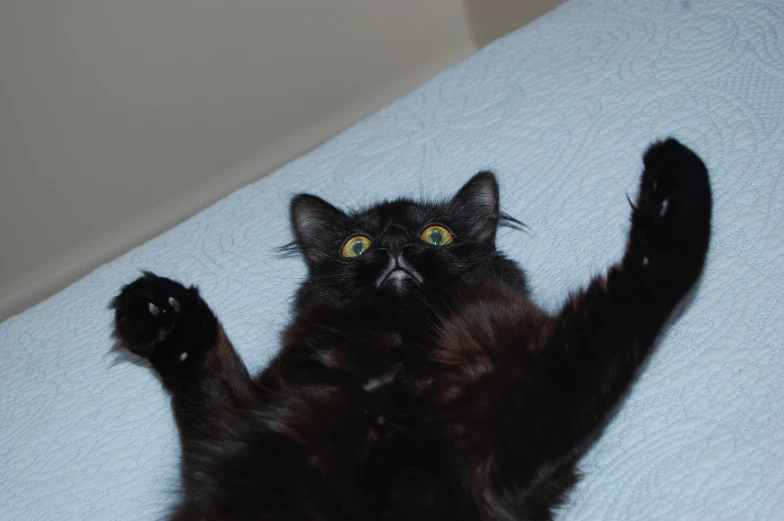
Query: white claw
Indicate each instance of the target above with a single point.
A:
(183, 356)
(663, 210)
(645, 261)
(153, 309)
(173, 303)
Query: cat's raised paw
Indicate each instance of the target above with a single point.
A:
(168, 324)
(147, 311)
(671, 219)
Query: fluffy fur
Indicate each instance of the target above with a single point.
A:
(416, 381)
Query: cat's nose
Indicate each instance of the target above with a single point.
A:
(394, 242)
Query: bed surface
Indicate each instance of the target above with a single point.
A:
(562, 111)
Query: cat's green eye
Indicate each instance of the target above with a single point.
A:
(355, 246)
(436, 235)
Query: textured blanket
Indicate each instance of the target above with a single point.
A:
(561, 111)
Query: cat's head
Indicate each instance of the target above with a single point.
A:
(399, 248)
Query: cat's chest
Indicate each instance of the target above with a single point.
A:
(383, 360)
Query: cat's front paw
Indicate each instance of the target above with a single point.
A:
(169, 325)
(148, 311)
(671, 219)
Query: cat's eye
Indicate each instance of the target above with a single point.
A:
(355, 246)
(436, 235)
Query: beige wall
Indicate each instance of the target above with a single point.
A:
(120, 118)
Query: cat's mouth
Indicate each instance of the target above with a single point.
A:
(397, 273)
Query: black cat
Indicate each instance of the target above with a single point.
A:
(417, 381)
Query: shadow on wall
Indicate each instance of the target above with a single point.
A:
(490, 19)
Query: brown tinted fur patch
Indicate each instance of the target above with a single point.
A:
(222, 353)
(476, 332)
(479, 334)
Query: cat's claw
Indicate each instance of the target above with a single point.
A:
(174, 304)
(155, 310)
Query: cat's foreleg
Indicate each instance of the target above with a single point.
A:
(270, 441)
(540, 406)
(174, 329)
(603, 334)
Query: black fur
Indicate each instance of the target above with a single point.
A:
(441, 393)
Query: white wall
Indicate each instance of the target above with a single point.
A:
(120, 118)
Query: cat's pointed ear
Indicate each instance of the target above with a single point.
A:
(313, 220)
(477, 202)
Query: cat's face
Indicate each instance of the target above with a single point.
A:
(399, 248)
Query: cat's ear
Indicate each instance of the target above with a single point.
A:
(313, 220)
(477, 202)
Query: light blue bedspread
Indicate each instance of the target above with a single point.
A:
(561, 110)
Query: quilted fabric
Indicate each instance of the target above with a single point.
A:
(562, 111)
